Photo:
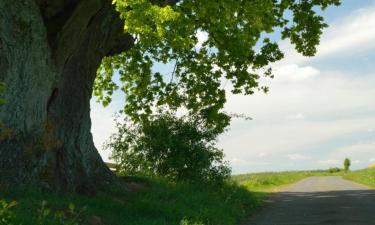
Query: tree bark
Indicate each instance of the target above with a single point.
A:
(49, 54)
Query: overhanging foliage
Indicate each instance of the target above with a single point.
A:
(237, 49)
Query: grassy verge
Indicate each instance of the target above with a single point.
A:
(271, 180)
(142, 202)
(365, 176)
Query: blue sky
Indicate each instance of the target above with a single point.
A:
(318, 111)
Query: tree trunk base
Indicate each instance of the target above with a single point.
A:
(49, 54)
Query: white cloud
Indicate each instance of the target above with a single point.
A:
(294, 73)
(366, 147)
(298, 157)
(356, 161)
(329, 162)
(242, 162)
(359, 152)
(236, 160)
(202, 37)
(262, 154)
(298, 116)
(103, 125)
(352, 34)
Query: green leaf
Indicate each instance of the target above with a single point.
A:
(237, 50)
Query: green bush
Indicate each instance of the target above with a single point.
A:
(334, 170)
(178, 148)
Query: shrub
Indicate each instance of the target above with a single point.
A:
(178, 148)
(334, 170)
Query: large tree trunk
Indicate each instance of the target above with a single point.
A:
(49, 54)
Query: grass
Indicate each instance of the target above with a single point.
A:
(143, 202)
(271, 180)
(146, 201)
(365, 176)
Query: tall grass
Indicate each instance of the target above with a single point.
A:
(142, 202)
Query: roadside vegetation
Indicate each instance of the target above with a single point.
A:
(271, 180)
(148, 201)
(141, 202)
(266, 182)
(365, 176)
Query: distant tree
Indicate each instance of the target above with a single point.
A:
(334, 170)
(346, 164)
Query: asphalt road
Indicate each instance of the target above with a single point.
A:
(319, 201)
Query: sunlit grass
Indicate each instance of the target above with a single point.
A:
(271, 180)
(365, 176)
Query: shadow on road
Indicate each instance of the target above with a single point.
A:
(350, 207)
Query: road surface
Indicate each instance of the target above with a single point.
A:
(319, 201)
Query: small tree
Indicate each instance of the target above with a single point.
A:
(346, 164)
(178, 148)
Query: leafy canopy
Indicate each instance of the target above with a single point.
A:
(237, 50)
